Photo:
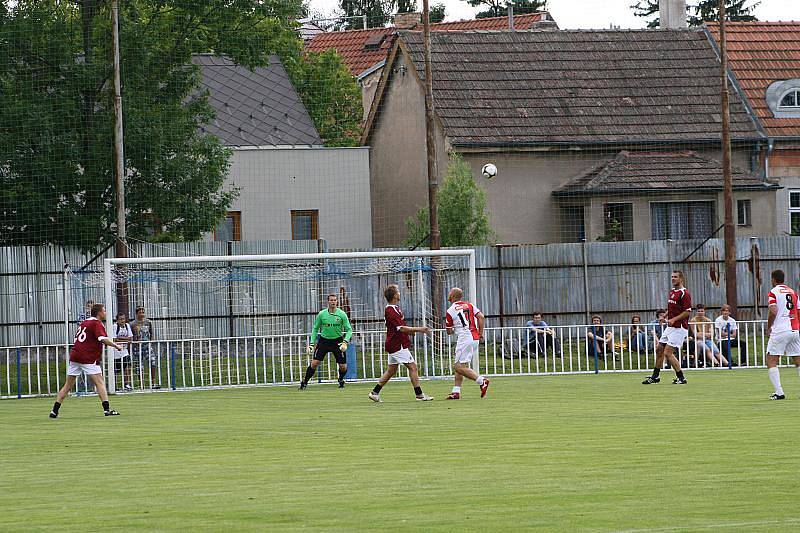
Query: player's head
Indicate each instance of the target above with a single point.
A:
(140, 313)
(455, 295)
(778, 277)
(121, 317)
(392, 294)
(701, 310)
(596, 320)
(661, 314)
(98, 311)
(333, 301)
(677, 278)
(725, 310)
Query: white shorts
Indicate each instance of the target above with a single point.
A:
(674, 337)
(784, 343)
(465, 351)
(76, 369)
(401, 357)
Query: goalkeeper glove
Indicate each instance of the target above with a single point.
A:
(343, 346)
(310, 349)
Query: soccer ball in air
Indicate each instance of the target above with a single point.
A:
(489, 171)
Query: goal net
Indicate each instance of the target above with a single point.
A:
(238, 303)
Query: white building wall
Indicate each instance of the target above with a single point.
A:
(275, 181)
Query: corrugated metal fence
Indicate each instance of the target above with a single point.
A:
(39, 304)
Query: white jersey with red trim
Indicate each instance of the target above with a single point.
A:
(785, 299)
(461, 316)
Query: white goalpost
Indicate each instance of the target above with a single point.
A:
(233, 320)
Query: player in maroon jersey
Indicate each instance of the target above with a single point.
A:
(85, 358)
(679, 307)
(397, 344)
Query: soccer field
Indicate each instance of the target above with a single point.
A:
(565, 453)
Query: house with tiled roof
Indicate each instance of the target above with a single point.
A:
(284, 174)
(365, 51)
(553, 110)
(764, 58)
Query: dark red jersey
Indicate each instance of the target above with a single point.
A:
(678, 301)
(87, 348)
(395, 339)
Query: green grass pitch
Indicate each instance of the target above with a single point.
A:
(562, 453)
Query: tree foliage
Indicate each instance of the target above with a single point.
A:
(700, 11)
(56, 113)
(499, 8)
(463, 220)
(437, 13)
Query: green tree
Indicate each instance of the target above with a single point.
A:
(377, 12)
(56, 113)
(499, 8)
(700, 11)
(437, 13)
(463, 220)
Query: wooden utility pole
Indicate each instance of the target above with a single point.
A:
(121, 249)
(433, 173)
(730, 228)
(430, 140)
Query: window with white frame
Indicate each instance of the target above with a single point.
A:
(794, 212)
(791, 99)
(743, 212)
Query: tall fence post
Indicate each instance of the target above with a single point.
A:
(500, 292)
(586, 303)
(669, 255)
(19, 374)
(756, 267)
(172, 357)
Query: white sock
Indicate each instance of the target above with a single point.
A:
(775, 378)
(456, 389)
(479, 380)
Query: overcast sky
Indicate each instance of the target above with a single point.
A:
(572, 14)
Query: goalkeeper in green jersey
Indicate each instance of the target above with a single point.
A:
(330, 334)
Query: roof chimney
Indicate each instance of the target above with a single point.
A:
(672, 14)
(407, 21)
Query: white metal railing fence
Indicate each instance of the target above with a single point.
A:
(280, 360)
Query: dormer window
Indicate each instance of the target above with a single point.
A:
(783, 98)
(791, 99)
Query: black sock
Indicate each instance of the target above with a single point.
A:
(105, 406)
(377, 388)
(341, 374)
(679, 373)
(309, 374)
(56, 407)
(418, 391)
(656, 372)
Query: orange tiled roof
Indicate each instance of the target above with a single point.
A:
(760, 53)
(350, 44)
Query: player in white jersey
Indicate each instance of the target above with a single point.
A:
(465, 321)
(783, 327)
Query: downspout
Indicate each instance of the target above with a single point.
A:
(770, 146)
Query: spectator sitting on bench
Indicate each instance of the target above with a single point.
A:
(725, 323)
(703, 333)
(541, 336)
(599, 340)
(659, 325)
(637, 338)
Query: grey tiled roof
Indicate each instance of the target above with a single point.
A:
(657, 172)
(587, 86)
(254, 108)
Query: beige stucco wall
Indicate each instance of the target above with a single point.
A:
(762, 204)
(369, 84)
(398, 165)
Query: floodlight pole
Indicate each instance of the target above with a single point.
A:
(730, 229)
(430, 142)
